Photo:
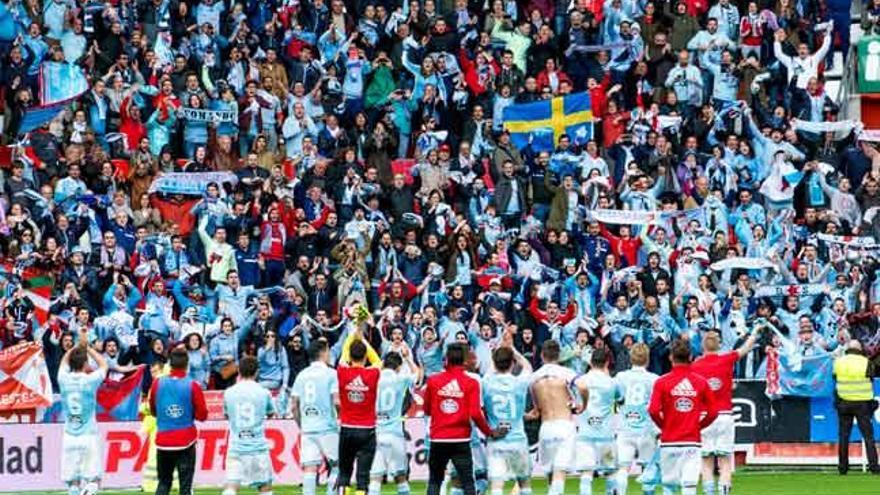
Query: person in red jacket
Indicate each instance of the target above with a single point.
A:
(551, 77)
(681, 406)
(452, 401)
(177, 402)
(625, 247)
(358, 385)
(717, 368)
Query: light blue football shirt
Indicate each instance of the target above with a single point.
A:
(79, 400)
(634, 388)
(314, 388)
(504, 400)
(392, 390)
(247, 404)
(594, 424)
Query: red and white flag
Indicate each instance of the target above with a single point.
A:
(24, 378)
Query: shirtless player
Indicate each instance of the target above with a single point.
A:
(552, 394)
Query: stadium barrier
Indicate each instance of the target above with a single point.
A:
(787, 431)
(30, 454)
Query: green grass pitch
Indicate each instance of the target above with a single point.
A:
(745, 483)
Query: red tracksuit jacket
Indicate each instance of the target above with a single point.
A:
(357, 396)
(452, 400)
(678, 403)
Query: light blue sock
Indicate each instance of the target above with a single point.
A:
(73, 490)
(456, 491)
(610, 485)
(708, 487)
(481, 485)
(310, 483)
(525, 491)
(622, 480)
(331, 480)
(586, 487)
(403, 488)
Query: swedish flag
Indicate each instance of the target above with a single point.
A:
(546, 121)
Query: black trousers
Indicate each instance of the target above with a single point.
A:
(356, 444)
(462, 459)
(184, 461)
(862, 412)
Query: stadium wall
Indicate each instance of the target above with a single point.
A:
(788, 431)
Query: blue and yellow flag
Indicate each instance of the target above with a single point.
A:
(546, 121)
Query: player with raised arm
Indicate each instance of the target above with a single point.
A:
(718, 439)
(358, 375)
(504, 398)
(398, 376)
(551, 387)
(81, 460)
(637, 437)
(247, 405)
(314, 400)
(681, 406)
(595, 437)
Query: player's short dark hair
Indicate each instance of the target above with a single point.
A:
(358, 350)
(456, 353)
(179, 358)
(78, 358)
(316, 348)
(392, 361)
(599, 358)
(550, 351)
(680, 351)
(248, 367)
(503, 358)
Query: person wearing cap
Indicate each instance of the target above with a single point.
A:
(855, 400)
(505, 150)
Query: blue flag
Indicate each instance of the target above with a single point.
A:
(543, 122)
(8, 27)
(34, 117)
(61, 82)
(806, 376)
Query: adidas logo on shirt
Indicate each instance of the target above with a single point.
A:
(684, 389)
(451, 389)
(357, 385)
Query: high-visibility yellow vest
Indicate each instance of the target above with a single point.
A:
(852, 380)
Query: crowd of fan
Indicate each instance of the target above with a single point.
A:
(694, 107)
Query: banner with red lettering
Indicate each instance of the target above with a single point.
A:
(24, 378)
(30, 454)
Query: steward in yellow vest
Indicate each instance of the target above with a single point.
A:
(855, 400)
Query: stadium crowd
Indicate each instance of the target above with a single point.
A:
(367, 164)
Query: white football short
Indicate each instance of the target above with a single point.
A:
(556, 442)
(81, 458)
(595, 455)
(509, 461)
(632, 448)
(254, 470)
(319, 446)
(719, 437)
(680, 465)
(390, 458)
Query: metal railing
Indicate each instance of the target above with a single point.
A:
(848, 82)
